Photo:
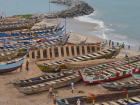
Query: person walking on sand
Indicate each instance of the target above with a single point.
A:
(78, 102)
(129, 47)
(20, 68)
(27, 65)
(50, 93)
(72, 87)
(54, 99)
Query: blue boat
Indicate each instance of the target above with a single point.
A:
(13, 64)
(138, 103)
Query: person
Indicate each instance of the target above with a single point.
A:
(72, 87)
(50, 93)
(54, 99)
(27, 65)
(20, 68)
(117, 43)
(78, 102)
(109, 42)
(126, 56)
(128, 47)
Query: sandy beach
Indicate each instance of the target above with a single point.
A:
(11, 96)
(78, 32)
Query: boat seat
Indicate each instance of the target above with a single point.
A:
(42, 78)
(42, 85)
(136, 99)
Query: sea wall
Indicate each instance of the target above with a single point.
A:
(74, 9)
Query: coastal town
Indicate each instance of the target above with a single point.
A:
(42, 63)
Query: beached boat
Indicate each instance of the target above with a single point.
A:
(41, 79)
(107, 53)
(10, 62)
(136, 75)
(58, 83)
(108, 75)
(131, 101)
(119, 86)
(84, 100)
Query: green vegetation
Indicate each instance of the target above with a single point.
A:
(26, 16)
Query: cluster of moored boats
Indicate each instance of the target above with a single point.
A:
(43, 83)
(111, 71)
(13, 37)
(17, 43)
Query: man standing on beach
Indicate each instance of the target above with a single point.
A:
(72, 87)
(50, 93)
(20, 68)
(27, 65)
(78, 102)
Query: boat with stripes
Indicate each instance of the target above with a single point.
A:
(118, 86)
(131, 101)
(107, 53)
(41, 79)
(58, 83)
(107, 75)
(10, 61)
(86, 100)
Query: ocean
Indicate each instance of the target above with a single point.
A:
(118, 20)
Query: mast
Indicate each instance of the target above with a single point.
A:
(49, 6)
(65, 25)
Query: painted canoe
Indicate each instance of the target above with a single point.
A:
(136, 75)
(62, 82)
(15, 62)
(119, 86)
(108, 75)
(8, 67)
(73, 100)
(41, 79)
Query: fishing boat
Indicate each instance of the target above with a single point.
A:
(108, 75)
(57, 83)
(136, 75)
(84, 100)
(131, 101)
(12, 61)
(97, 55)
(41, 79)
(119, 86)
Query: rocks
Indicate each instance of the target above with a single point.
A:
(76, 9)
(65, 2)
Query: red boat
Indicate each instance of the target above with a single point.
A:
(107, 75)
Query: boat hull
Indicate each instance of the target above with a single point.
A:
(136, 75)
(9, 67)
(106, 80)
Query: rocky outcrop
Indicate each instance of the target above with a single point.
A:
(75, 9)
(65, 2)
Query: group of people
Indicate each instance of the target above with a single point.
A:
(111, 43)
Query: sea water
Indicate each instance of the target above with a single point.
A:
(119, 20)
